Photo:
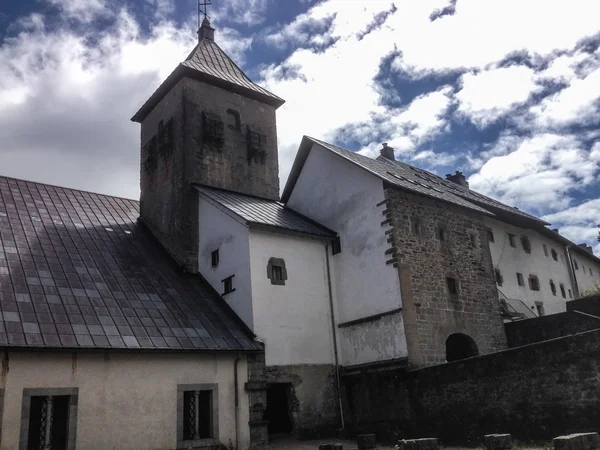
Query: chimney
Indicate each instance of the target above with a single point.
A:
(587, 248)
(555, 230)
(458, 178)
(206, 31)
(387, 152)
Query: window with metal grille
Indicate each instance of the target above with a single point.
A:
(48, 419)
(520, 280)
(214, 258)
(534, 283)
(228, 285)
(197, 415)
(212, 129)
(257, 144)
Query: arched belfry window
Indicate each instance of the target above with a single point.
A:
(460, 346)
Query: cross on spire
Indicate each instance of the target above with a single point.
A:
(203, 10)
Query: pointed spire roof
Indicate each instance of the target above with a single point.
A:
(210, 64)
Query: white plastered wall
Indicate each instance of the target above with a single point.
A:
(586, 280)
(344, 198)
(226, 232)
(293, 320)
(125, 400)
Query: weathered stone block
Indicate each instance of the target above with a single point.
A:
(419, 444)
(577, 441)
(498, 441)
(366, 441)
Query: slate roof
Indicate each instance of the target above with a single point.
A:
(407, 177)
(78, 270)
(264, 212)
(209, 63)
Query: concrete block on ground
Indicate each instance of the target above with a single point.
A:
(366, 441)
(498, 441)
(577, 441)
(419, 444)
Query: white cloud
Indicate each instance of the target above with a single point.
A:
(490, 94)
(82, 10)
(249, 12)
(538, 172)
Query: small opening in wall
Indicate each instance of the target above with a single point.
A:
(442, 233)
(553, 288)
(526, 244)
(534, 283)
(214, 258)
(512, 240)
(473, 238)
(591, 273)
(276, 271)
(575, 264)
(570, 293)
(520, 279)
(278, 411)
(554, 255)
(499, 279)
(490, 235)
(234, 120)
(545, 249)
(562, 290)
(417, 226)
(460, 346)
(452, 284)
(228, 285)
(540, 308)
(336, 246)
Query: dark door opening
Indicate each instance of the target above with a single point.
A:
(278, 411)
(460, 346)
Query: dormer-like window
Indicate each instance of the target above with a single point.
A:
(233, 120)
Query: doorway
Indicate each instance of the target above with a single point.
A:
(460, 346)
(278, 411)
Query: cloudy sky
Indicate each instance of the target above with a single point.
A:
(508, 91)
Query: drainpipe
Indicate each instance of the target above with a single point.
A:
(236, 397)
(572, 272)
(335, 350)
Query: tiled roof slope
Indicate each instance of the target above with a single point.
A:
(77, 270)
(208, 58)
(260, 211)
(410, 178)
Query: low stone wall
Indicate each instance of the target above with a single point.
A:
(535, 393)
(524, 332)
(589, 305)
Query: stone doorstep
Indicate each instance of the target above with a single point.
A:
(419, 444)
(577, 441)
(498, 441)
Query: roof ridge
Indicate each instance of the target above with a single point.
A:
(68, 188)
(237, 193)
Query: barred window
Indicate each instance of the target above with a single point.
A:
(213, 130)
(197, 415)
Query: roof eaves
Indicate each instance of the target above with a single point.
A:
(221, 207)
(288, 231)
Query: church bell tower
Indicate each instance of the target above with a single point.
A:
(207, 124)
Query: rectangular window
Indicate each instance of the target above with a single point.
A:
(562, 290)
(575, 264)
(499, 279)
(591, 273)
(452, 286)
(526, 244)
(534, 283)
(442, 233)
(228, 285)
(545, 250)
(490, 235)
(553, 288)
(197, 415)
(570, 293)
(417, 226)
(520, 280)
(511, 240)
(583, 268)
(473, 238)
(276, 271)
(540, 308)
(214, 257)
(49, 419)
(554, 255)
(336, 246)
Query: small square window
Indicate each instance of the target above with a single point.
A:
(490, 235)
(562, 290)
(214, 257)
(276, 271)
(511, 240)
(228, 285)
(545, 249)
(452, 284)
(498, 275)
(520, 280)
(534, 283)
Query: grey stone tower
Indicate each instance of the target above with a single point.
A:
(207, 123)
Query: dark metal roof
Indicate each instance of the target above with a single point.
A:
(77, 270)
(209, 63)
(264, 212)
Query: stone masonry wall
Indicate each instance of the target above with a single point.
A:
(257, 399)
(534, 392)
(425, 262)
(315, 406)
(169, 203)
